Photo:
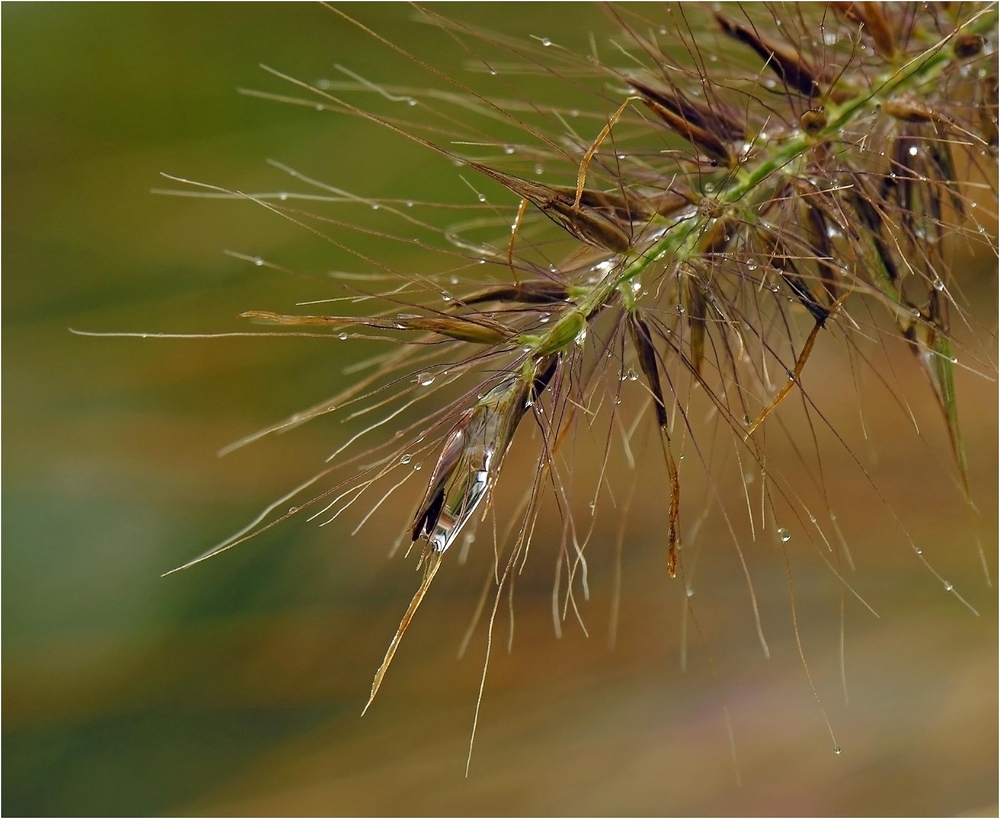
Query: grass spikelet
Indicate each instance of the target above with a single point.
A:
(749, 186)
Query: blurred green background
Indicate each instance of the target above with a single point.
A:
(236, 688)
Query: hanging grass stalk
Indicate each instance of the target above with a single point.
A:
(751, 183)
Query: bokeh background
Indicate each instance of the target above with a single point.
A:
(236, 688)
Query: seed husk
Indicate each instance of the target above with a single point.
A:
(587, 224)
(791, 67)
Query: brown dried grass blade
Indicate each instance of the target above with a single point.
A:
(433, 563)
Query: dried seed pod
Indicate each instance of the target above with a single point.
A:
(473, 454)
(646, 353)
(943, 164)
(696, 310)
(782, 261)
(813, 121)
(477, 330)
(791, 67)
(876, 25)
(699, 127)
(989, 92)
(536, 291)
(968, 45)
(908, 108)
(861, 198)
(587, 224)
(822, 248)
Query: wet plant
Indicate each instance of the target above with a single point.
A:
(730, 189)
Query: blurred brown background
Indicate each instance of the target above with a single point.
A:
(236, 688)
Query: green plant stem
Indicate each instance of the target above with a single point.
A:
(678, 240)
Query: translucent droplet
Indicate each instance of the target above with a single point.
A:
(581, 337)
(914, 150)
(481, 197)
(748, 478)
(425, 379)
(292, 510)
(939, 285)
(546, 42)
(633, 375)
(784, 534)
(829, 38)
(411, 102)
(446, 296)
(409, 203)
(508, 149)
(405, 459)
(539, 170)
(257, 260)
(689, 592)
(282, 196)
(417, 467)
(342, 336)
(948, 586)
(836, 750)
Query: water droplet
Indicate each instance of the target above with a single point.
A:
(581, 337)
(748, 478)
(319, 106)
(481, 197)
(751, 265)
(546, 42)
(544, 319)
(257, 260)
(784, 534)
(574, 112)
(405, 459)
(539, 170)
(292, 510)
(919, 551)
(375, 206)
(342, 336)
(836, 750)
(409, 203)
(417, 467)
(493, 72)
(939, 285)
(282, 196)
(425, 379)
(446, 296)
(411, 102)
(482, 261)
(948, 586)
(689, 592)
(829, 38)
(914, 150)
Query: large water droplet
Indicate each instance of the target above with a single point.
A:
(784, 534)
(342, 336)
(836, 750)
(425, 379)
